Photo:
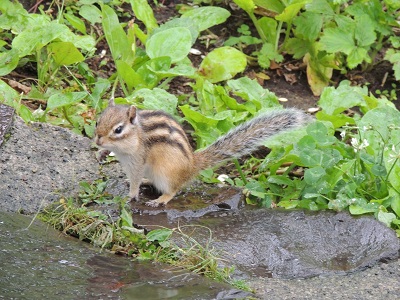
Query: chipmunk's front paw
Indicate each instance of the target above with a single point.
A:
(153, 203)
(102, 155)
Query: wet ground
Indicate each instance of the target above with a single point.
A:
(38, 262)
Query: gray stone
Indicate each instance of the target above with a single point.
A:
(40, 163)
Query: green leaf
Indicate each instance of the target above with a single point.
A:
(8, 61)
(338, 40)
(173, 42)
(268, 54)
(160, 235)
(386, 217)
(378, 170)
(181, 22)
(36, 37)
(222, 64)
(289, 204)
(308, 25)
(349, 97)
(247, 5)
(65, 53)
(357, 56)
(64, 99)
(144, 13)
(208, 16)
(157, 99)
(91, 13)
(273, 5)
(395, 204)
(268, 26)
(313, 175)
(250, 90)
(119, 44)
(76, 22)
(126, 218)
(365, 31)
(291, 11)
(128, 75)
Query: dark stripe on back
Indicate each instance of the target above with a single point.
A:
(166, 140)
(171, 129)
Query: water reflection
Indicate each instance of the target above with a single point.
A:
(39, 262)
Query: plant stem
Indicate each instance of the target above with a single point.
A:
(259, 29)
(237, 165)
(278, 33)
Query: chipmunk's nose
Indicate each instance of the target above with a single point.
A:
(98, 140)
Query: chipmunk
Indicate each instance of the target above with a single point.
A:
(151, 144)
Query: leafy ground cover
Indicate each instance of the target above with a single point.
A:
(61, 63)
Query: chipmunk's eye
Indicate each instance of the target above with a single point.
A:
(118, 130)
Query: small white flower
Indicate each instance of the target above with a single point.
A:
(357, 146)
(343, 134)
(222, 177)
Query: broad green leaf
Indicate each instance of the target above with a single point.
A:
(222, 64)
(365, 208)
(308, 25)
(349, 97)
(273, 5)
(8, 61)
(144, 13)
(247, 5)
(76, 22)
(337, 40)
(320, 7)
(320, 134)
(357, 56)
(291, 11)
(64, 99)
(268, 26)
(36, 37)
(173, 42)
(251, 90)
(180, 22)
(116, 37)
(395, 204)
(268, 54)
(386, 218)
(364, 32)
(289, 204)
(65, 53)
(126, 218)
(129, 76)
(7, 94)
(281, 180)
(91, 13)
(157, 99)
(159, 235)
(208, 16)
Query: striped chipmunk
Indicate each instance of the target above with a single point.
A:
(151, 146)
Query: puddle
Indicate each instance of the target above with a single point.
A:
(40, 262)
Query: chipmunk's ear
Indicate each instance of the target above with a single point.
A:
(132, 114)
(111, 102)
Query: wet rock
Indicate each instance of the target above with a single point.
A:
(6, 118)
(40, 163)
(299, 244)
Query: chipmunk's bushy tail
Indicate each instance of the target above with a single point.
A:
(247, 137)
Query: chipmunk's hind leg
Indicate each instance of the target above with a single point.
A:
(162, 200)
